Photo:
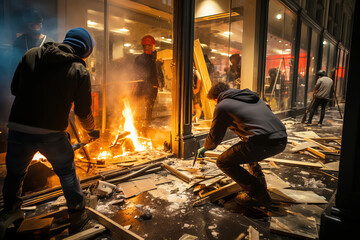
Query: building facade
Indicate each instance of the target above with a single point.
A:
(278, 45)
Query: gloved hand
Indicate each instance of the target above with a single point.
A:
(201, 152)
(94, 134)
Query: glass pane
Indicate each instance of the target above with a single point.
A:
(240, 73)
(212, 29)
(95, 62)
(331, 67)
(226, 33)
(340, 75)
(302, 71)
(324, 65)
(279, 56)
(139, 74)
(313, 64)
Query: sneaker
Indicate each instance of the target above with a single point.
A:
(78, 220)
(10, 217)
(245, 199)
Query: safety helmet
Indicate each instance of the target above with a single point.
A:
(321, 73)
(148, 40)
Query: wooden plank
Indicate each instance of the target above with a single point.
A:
(177, 173)
(86, 234)
(274, 181)
(295, 162)
(316, 152)
(212, 154)
(200, 64)
(32, 225)
(222, 192)
(321, 146)
(327, 138)
(308, 134)
(253, 233)
(333, 166)
(294, 226)
(296, 196)
(113, 226)
(302, 146)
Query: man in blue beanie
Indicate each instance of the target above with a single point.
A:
(47, 82)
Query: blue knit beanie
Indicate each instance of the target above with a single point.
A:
(81, 41)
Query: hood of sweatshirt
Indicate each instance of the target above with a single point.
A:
(58, 53)
(244, 95)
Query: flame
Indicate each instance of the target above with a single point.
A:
(140, 144)
(104, 155)
(38, 156)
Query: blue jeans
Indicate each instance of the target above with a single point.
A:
(58, 151)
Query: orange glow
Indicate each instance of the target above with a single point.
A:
(38, 156)
(104, 155)
(139, 144)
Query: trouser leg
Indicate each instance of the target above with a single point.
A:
(313, 109)
(256, 170)
(248, 152)
(229, 162)
(57, 149)
(150, 101)
(323, 108)
(20, 152)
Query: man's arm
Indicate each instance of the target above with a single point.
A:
(218, 129)
(82, 102)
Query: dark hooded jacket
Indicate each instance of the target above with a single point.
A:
(46, 82)
(243, 112)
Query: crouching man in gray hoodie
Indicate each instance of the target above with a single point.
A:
(262, 135)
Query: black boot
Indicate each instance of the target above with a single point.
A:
(78, 220)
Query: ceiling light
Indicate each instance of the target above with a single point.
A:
(127, 44)
(91, 23)
(324, 42)
(280, 41)
(121, 30)
(279, 16)
(227, 33)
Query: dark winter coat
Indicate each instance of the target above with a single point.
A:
(243, 112)
(149, 70)
(46, 82)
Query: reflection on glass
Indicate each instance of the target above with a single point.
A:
(340, 74)
(302, 71)
(331, 62)
(325, 56)
(279, 56)
(313, 64)
(220, 26)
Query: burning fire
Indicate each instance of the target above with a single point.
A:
(132, 142)
(103, 155)
(129, 126)
(38, 156)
